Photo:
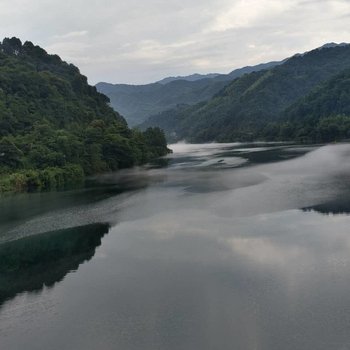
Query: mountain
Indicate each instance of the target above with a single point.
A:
(138, 102)
(192, 77)
(249, 103)
(55, 128)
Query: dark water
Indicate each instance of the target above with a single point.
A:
(218, 247)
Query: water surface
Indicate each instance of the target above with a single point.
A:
(231, 246)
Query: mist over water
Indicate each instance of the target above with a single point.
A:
(223, 246)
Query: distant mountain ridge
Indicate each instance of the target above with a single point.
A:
(224, 77)
(138, 102)
(192, 77)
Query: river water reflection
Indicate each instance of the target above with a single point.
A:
(231, 246)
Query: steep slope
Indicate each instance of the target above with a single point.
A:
(241, 109)
(138, 102)
(54, 127)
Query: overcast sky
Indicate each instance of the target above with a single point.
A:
(141, 41)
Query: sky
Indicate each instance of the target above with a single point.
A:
(142, 41)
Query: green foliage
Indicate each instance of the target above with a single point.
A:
(10, 155)
(54, 127)
(46, 179)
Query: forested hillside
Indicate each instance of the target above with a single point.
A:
(322, 116)
(138, 102)
(55, 128)
(244, 108)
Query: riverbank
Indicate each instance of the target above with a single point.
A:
(55, 178)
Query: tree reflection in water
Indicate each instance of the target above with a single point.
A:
(29, 264)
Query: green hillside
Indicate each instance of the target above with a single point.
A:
(322, 116)
(138, 102)
(331, 98)
(242, 109)
(55, 128)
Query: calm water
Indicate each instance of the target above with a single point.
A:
(231, 246)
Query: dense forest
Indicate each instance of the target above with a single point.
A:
(55, 128)
(298, 100)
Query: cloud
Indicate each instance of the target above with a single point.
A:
(245, 14)
(141, 41)
(72, 35)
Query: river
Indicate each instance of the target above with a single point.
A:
(217, 246)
